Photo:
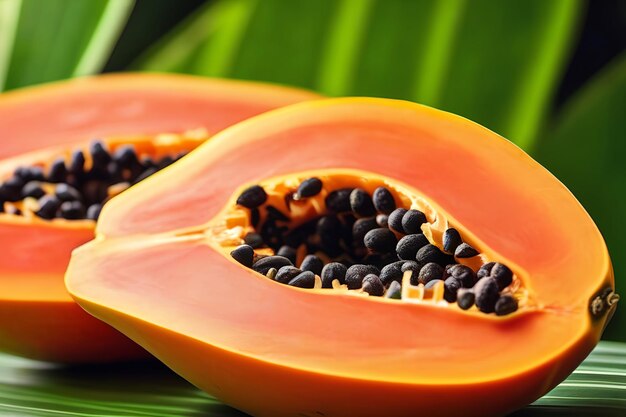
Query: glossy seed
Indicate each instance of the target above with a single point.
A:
(253, 239)
(373, 285)
(380, 240)
(328, 229)
(72, 210)
(244, 254)
(125, 156)
(429, 272)
(271, 273)
(382, 220)
(338, 201)
(308, 188)
(264, 264)
(450, 288)
(252, 197)
(506, 304)
(464, 250)
(502, 274)
(395, 219)
(99, 154)
(408, 246)
(383, 200)
(412, 221)
(412, 266)
(77, 163)
(361, 203)
(361, 227)
(431, 284)
(391, 272)
(312, 263)
(288, 252)
(93, 211)
(333, 271)
(48, 206)
(286, 273)
(465, 298)
(305, 279)
(464, 274)
(356, 273)
(11, 189)
(451, 240)
(486, 292)
(57, 171)
(27, 174)
(485, 270)
(33, 189)
(431, 253)
(394, 291)
(66, 192)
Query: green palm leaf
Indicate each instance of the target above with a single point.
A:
(597, 387)
(54, 39)
(496, 65)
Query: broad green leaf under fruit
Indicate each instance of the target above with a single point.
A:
(496, 65)
(596, 388)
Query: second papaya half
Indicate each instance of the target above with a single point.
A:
(354, 257)
(55, 179)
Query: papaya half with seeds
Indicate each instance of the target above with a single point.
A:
(49, 181)
(306, 262)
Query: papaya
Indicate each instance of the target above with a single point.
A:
(354, 256)
(46, 129)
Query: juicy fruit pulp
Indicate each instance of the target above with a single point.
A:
(42, 125)
(161, 271)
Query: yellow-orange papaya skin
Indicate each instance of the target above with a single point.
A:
(158, 271)
(38, 318)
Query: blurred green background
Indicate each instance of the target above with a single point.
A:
(550, 75)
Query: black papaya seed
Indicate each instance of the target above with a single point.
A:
(395, 220)
(309, 188)
(244, 254)
(361, 203)
(451, 240)
(465, 298)
(33, 189)
(305, 279)
(431, 253)
(373, 285)
(391, 272)
(485, 270)
(382, 220)
(288, 252)
(383, 200)
(11, 189)
(93, 211)
(464, 250)
(502, 274)
(380, 240)
(414, 267)
(264, 264)
(253, 239)
(408, 246)
(451, 287)
(394, 291)
(65, 192)
(361, 227)
(356, 273)
(486, 292)
(338, 201)
(333, 271)
(48, 206)
(72, 210)
(57, 171)
(275, 214)
(252, 197)
(412, 221)
(77, 163)
(464, 274)
(312, 263)
(99, 154)
(431, 284)
(506, 304)
(429, 272)
(286, 273)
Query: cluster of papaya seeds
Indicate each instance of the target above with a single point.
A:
(354, 257)
(54, 181)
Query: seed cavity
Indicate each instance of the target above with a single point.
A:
(364, 243)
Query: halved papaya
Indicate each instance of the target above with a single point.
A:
(504, 282)
(43, 126)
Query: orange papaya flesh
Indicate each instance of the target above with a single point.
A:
(38, 318)
(160, 269)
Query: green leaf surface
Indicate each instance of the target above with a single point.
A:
(494, 63)
(586, 149)
(27, 388)
(49, 40)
